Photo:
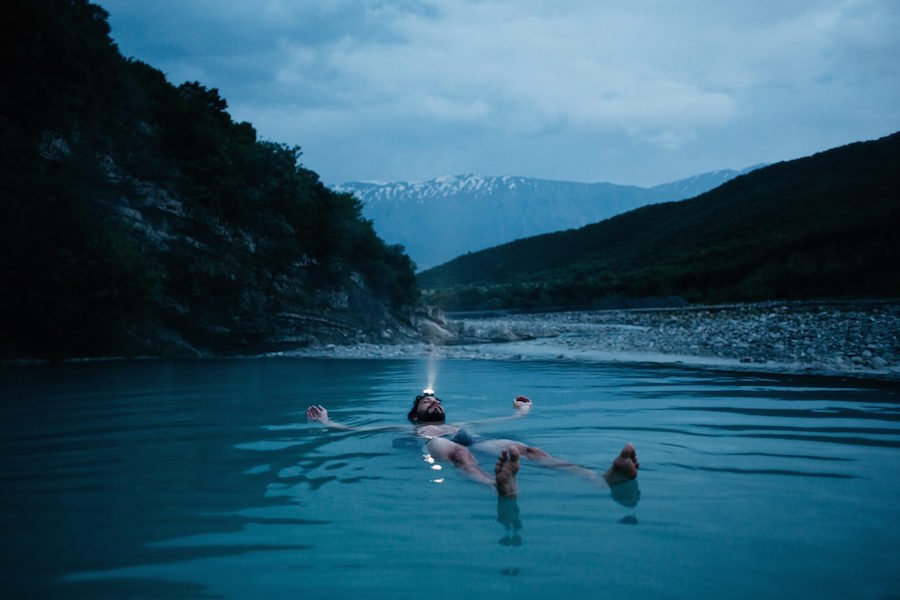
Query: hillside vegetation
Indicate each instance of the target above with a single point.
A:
(821, 226)
(138, 217)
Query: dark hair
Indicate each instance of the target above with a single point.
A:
(411, 415)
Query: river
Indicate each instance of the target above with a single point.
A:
(203, 479)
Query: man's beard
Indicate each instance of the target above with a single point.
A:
(432, 417)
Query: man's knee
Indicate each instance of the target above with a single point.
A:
(441, 448)
(444, 449)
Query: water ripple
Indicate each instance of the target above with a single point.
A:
(788, 472)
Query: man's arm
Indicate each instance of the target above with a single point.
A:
(320, 413)
(522, 404)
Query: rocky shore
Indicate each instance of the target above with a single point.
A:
(837, 338)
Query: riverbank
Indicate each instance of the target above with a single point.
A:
(860, 339)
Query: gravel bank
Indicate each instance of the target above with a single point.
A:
(855, 339)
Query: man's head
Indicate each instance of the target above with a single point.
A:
(426, 409)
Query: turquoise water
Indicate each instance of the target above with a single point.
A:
(203, 479)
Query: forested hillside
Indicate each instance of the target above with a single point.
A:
(139, 218)
(821, 226)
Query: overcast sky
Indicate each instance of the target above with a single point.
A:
(627, 91)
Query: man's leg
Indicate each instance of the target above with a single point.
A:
(504, 471)
(624, 466)
(444, 449)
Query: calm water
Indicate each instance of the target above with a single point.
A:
(203, 479)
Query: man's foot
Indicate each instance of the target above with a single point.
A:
(505, 471)
(625, 466)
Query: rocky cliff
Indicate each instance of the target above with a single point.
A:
(138, 218)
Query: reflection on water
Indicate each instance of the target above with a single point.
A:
(201, 479)
(626, 493)
(508, 516)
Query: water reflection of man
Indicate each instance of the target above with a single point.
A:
(452, 443)
(508, 516)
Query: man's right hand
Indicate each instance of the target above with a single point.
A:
(522, 404)
(317, 413)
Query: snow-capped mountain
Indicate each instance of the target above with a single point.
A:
(477, 186)
(440, 219)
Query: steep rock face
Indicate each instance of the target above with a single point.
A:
(272, 309)
(280, 314)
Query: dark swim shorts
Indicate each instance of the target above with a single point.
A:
(463, 438)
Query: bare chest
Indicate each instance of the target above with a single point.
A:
(433, 431)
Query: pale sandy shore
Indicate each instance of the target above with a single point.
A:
(857, 339)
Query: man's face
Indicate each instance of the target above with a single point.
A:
(429, 409)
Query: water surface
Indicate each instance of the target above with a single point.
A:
(203, 479)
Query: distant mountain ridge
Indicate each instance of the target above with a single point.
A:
(823, 226)
(699, 184)
(466, 213)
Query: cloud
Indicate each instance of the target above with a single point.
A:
(518, 73)
(398, 90)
